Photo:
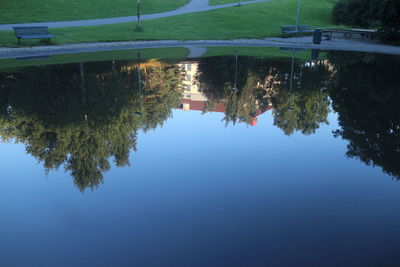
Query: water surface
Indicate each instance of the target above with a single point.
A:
(216, 161)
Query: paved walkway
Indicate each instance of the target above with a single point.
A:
(296, 42)
(192, 7)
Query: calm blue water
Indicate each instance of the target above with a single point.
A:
(200, 193)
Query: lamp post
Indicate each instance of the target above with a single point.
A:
(298, 14)
(138, 24)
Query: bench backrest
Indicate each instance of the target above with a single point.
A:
(31, 30)
(288, 28)
(304, 27)
(294, 28)
(350, 30)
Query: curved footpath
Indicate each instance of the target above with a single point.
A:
(296, 42)
(192, 7)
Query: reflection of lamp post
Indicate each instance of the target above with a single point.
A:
(236, 72)
(138, 24)
(292, 71)
(139, 114)
(240, 3)
(291, 78)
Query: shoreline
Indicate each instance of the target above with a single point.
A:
(295, 42)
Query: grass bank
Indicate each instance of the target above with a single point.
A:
(265, 52)
(165, 54)
(60, 10)
(169, 55)
(260, 20)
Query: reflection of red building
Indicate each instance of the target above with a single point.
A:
(188, 104)
(194, 99)
(258, 113)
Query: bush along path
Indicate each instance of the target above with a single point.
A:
(191, 7)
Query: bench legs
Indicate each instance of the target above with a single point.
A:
(367, 36)
(19, 40)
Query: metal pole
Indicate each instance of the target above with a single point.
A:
(290, 108)
(138, 25)
(138, 68)
(138, 12)
(292, 71)
(236, 71)
(298, 14)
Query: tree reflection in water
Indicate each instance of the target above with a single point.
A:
(263, 83)
(366, 95)
(79, 116)
(363, 87)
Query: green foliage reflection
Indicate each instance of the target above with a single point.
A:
(80, 117)
(366, 95)
(265, 82)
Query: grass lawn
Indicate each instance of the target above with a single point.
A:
(16, 11)
(221, 2)
(258, 20)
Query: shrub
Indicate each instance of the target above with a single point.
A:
(390, 21)
(382, 14)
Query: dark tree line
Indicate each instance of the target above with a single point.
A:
(382, 14)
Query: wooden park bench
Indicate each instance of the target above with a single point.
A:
(296, 29)
(41, 32)
(364, 33)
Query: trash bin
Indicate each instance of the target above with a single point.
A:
(317, 37)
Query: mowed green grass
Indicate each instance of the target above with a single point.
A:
(260, 20)
(222, 2)
(16, 11)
